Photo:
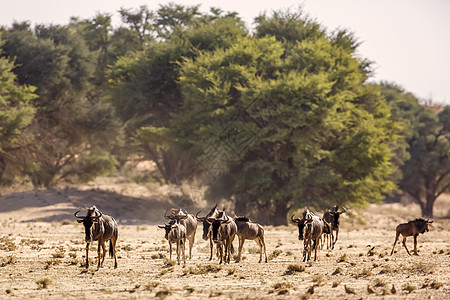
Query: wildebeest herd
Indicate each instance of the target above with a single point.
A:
(221, 229)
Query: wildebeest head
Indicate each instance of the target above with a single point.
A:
(336, 214)
(206, 226)
(422, 225)
(92, 216)
(301, 225)
(215, 225)
(168, 227)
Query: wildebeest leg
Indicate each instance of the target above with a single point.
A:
(263, 247)
(241, 245)
(334, 242)
(178, 251)
(396, 238)
(183, 249)
(219, 247)
(211, 245)
(316, 242)
(305, 249)
(191, 244)
(415, 245)
(170, 250)
(404, 244)
(98, 254)
(87, 255)
(104, 253)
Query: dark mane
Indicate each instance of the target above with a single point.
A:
(242, 219)
(418, 220)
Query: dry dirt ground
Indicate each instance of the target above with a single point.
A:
(42, 255)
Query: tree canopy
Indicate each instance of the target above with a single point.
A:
(272, 119)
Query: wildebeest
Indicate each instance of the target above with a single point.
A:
(412, 228)
(190, 223)
(247, 230)
(310, 229)
(223, 232)
(213, 213)
(176, 234)
(102, 228)
(332, 218)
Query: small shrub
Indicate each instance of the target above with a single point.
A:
(379, 282)
(44, 283)
(152, 285)
(253, 250)
(436, 285)
(202, 269)
(231, 271)
(127, 247)
(9, 260)
(52, 262)
(291, 269)
(282, 285)
(275, 254)
(343, 258)
(337, 271)
(168, 262)
(318, 279)
(58, 254)
(7, 244)
(409, 288)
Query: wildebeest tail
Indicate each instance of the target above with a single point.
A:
(232, 249)
(111, 250)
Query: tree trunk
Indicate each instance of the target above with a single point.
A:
(280, 215)
(427, 209)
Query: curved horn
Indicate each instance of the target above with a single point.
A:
(97, 216)
(77, 216)
(166, 216)
(294, 220)
(226, 221)
(199, 218)
(210, 220)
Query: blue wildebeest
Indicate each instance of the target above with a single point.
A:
(332, 217)
(190, 223)
(102, 228)
(213, 213)
(310, 229)
(223, 232)
(176, 234)
(247, 230)
(412, 228)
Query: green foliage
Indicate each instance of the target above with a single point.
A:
(426, 166)
(294, 123)
(70, 121)
(16, 114)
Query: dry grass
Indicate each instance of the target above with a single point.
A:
(145, 272)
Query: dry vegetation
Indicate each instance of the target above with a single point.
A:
(42, 256)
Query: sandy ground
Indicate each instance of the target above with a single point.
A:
(42, 255)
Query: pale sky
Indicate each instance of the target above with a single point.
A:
(408, 40)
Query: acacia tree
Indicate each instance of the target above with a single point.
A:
(74, 131)
(426, 173)
(145, 92)
(16, 114)
(292, 125)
